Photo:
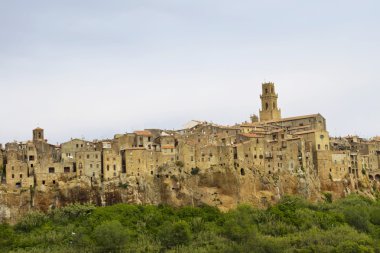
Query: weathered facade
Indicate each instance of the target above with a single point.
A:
(254, 162)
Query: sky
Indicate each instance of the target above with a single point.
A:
(91, 69)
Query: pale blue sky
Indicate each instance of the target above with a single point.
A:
(94, 68)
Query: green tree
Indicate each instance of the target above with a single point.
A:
(175, 234)
(110, 236)
(31, 221)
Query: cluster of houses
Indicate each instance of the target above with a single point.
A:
(267, 145)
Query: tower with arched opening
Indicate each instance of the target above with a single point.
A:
(269, 107)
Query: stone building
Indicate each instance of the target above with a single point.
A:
(269, 148)
(89, 164)
(112, 161)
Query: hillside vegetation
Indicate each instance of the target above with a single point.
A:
(293, 225)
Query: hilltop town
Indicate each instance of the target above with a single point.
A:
(254, 162)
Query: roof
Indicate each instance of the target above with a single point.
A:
(249, 135)
(305, 132)
(38, 128)
(167, 147)
(192, 124)
(299, 127)
(294, 118)
(143, 133)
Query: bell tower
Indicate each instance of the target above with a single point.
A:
(38, 134)
(269, 110)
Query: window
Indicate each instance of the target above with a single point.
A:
(66, 169)
(51, 170)
(108, 167)
(43, 182)
(53, 181)
(319, 146)
(114, 167)
(77, 145)
(88, 156)
(13, 175)
(20, 175)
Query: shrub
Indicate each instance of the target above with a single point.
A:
(110, 236)
(31, 221)
(375, 216)
(358, 218)
(179, 164)
(194, 171)
(71, 212)
(327, 197)
(175, 234)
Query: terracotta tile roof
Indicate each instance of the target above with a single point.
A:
(249, 135)
(167, 147)
(143, 133)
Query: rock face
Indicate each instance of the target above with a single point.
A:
(223, 188)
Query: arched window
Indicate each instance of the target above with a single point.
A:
(266, 106)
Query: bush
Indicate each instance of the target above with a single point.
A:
(358, 218)
(31, 221)
(179, 164)
(110, 236)
(6, 236)
(328, 197)
(375, 216)
(71, 212)
(194, 171)
(175, 234)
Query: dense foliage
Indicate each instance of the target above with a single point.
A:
(294, 225)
